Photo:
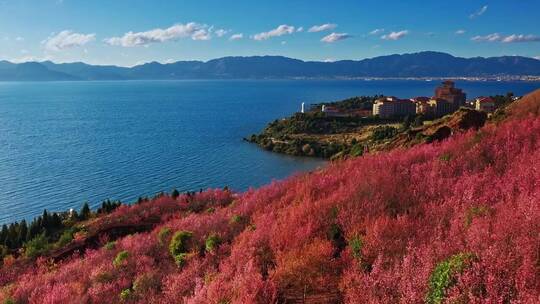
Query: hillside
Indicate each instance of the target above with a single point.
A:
(456, 221)
(316, 134)
(423, 64)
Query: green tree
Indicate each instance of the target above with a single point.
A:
(175, 194)
(85, 212)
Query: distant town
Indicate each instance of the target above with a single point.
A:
(447, 99)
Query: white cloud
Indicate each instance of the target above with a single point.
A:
(281, 30)
(514, 38)
(221, 32)
(479, 13)
(460, 32)
(334, 37)
(192, 30)
(521, 38)
(236, 37)
(67, 39)
(300, 29)
(537, 57)
(329, 60)
(395, 35)
(491, 37)
(283, 42)
(322, 27)
(376, 31)
(201, 34)
(19, 39)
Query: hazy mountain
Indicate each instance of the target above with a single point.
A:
(424, 64)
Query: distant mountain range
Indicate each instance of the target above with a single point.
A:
(423, 64)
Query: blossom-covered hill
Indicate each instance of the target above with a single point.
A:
(451, 222)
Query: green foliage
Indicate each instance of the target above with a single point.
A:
(9, 301)
(125, 294)
(357, 150)
(212, 242)
(445, 276)
(37, 246)
(356, 244)
(85, 212)
(445, 157)
(120, 258)
(179, 246)
(211, 210)
(383, 132)
(180, 259)
(110, 245)
(473, 212)
(65, 238)
(108, 206)
(163, 235)
(175, 194)
(237, 219)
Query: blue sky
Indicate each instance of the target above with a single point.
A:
(129, 32)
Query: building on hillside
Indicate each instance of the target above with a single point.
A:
(440, 107)
(432, 107)
(331, 111)
(422, 104)
(392, 107)
(486, 104)
(450, 93)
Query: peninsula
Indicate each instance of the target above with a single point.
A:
(357, 125)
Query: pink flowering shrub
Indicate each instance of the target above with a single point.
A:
(383, 228)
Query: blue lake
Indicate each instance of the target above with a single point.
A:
(63, 143)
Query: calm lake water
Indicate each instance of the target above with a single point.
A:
(63, 143)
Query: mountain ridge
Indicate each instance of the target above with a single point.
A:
(421, 64)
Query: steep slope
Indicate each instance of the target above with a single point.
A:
(456, 221)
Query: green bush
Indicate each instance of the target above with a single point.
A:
(163, 235)
(445, 157)
(120, 258)
(125, 294)
(383, 132)
(110, 245)
(175, 194)
(37, 246)
(212, 242)
(180, 259)
(9, 301)
(357, 150)
(65, 238)
(236, 219)
(356, 244)
(445, 276)
(179, 246)
(474, 212)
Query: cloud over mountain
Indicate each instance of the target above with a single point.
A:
(334, 37)
(191, 30)
(236, 37)
(281, 30)
(514, 38)
(67, 39)
(395, 35)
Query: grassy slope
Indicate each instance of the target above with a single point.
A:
(452, 221)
